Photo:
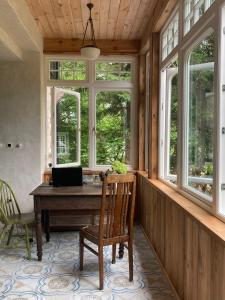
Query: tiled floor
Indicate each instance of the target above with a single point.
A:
(58, 277)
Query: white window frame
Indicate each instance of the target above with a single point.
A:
(213, 18)
(165, 105)
(94, 85)
(185, 187)
(54, 127)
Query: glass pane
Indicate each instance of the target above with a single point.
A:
(113, 71)
(173, 122)
(113, 127)
(84, 125)
(170, 37)
(67, 127)
(200, 121)
(68, 70)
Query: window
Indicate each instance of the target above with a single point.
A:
(169, 39)
(193, 10)
(112, 127)
(89, 123)
(200, 116)
(191, 143)
(67, 70)
(67, 126)
(113, 71)
(169, 119)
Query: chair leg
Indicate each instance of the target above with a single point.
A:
(10, 235)
(3, 232)
(113, 253)
(130, 255)
(27, 242)
(81, 251)
(101, 267)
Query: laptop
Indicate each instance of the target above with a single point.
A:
(67, 176)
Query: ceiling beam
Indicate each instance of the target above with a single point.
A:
(59, 46)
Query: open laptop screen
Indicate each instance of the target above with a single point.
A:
(67, 176)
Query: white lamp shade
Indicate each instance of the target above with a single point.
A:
(90, 52)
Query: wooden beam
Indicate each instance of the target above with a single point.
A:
(153, 107)
(53, 46)
(141, 113)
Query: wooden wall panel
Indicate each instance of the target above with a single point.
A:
(192, 255)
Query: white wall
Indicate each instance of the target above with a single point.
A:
(20, 122)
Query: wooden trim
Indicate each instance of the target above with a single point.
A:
(59, 46)
(189, 241)
(210, 222)
(153, 107)
(141, 113)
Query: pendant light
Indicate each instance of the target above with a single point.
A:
(90, 51)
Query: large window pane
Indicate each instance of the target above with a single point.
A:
(200, 117)
(172, 121)
(112, 127)
(67, 127)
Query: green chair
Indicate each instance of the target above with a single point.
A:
(11, 216)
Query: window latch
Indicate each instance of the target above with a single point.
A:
(223, 130)
(223, 88)
(223, 186)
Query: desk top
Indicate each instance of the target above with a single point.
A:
(84, 190)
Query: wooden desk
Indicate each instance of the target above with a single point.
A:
(86, 198)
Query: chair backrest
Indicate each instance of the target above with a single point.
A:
(8, 203)
(117, 206)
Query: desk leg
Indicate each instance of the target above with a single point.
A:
(37, 210)
(121, 250)
(47, 225)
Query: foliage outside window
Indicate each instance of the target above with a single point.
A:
(193, 10)
(112, 127)
(113, 71)
(169, 39)
(199, 140)
(67, 70)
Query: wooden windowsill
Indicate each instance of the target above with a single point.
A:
(209, 221)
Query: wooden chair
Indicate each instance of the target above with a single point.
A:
(115, 222)
(11, 216)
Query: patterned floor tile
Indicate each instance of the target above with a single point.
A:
(58, 277)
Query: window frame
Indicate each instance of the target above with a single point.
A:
(165, 104)
(93, 85)
(54, 128)
(212, 18)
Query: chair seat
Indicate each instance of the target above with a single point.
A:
(93, 230)
(25, 218)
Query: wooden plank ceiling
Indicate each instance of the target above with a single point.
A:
(113, 19)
